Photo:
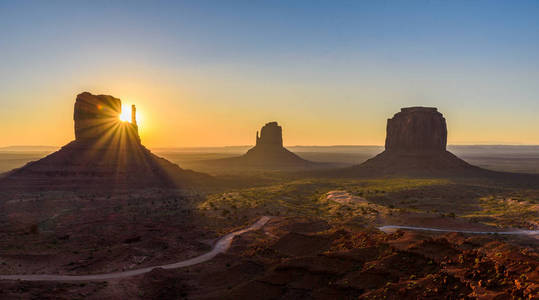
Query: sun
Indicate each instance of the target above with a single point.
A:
(125, 116)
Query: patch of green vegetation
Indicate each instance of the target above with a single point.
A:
(479, 202)
(516, 209)
(307, 197)
(375, 187)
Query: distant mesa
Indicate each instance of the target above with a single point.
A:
(267, 154)
(271, 135)
(106, 154)
(416, 143)
(269, 149)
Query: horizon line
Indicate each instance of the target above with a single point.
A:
(252, 145)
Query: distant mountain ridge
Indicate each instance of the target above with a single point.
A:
(302, 148)
(29, 148)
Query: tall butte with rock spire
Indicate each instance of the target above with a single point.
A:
(269, 147)
(268, 153)
(416, 145)
(106, 154)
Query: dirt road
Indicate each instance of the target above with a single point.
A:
(389, 228)
(221, 246)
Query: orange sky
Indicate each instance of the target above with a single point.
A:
(178, 114)
(213, 74)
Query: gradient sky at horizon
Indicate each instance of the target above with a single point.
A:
(211, 73)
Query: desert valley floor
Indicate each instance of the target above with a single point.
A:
(321, 242)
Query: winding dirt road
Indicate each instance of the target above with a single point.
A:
(389, 228)
(221, 246)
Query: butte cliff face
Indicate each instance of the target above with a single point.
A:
(416, 129)
(271, 135)
(416, 145)
(106, 154)
(95, 115)
(97, 121)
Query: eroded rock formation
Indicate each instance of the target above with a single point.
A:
(106, 154)
(271, 135)
(269, 150)
(95, 115)
(416, 129)
(267, 154)
(97, 118)
(416, 144)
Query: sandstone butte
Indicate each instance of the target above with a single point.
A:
(416, 145)
(268, 153)
(106, 154)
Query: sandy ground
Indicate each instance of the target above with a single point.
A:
(343, 197)
(221, 246)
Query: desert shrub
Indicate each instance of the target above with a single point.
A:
(34, 229)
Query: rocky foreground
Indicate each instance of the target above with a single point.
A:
(310, 260)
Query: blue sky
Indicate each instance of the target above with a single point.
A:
(330, 71)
